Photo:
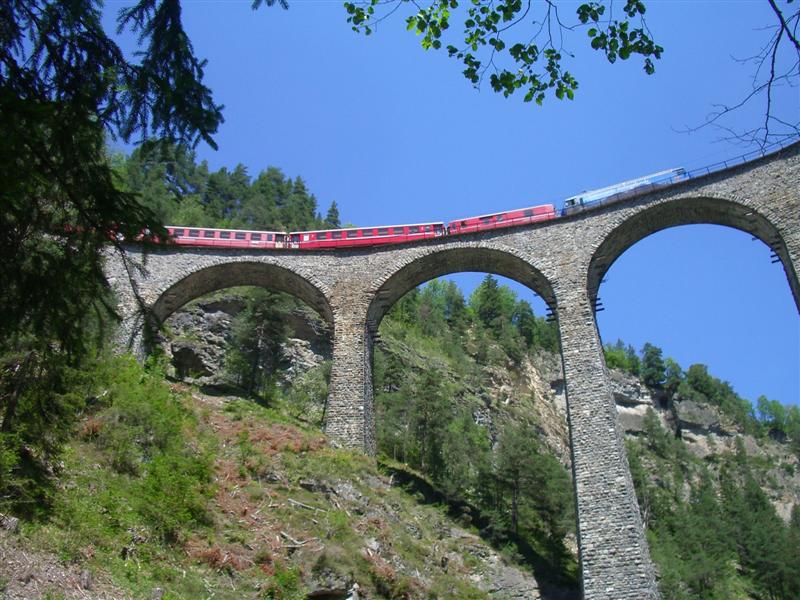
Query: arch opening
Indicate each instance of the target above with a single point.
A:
(217, 277)
(247, 328)
(461, 395)
(708, 326)
(702, 320)
(689, 211)
(456, 260)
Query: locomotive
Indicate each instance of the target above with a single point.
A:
(396, 234)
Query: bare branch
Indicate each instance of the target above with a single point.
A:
(784, 26)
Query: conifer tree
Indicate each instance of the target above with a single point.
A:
(332, 217)
(258, 332)
(652, 366)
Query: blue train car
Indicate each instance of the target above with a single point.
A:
(585, 199)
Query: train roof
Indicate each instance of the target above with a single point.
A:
(629, 182)
(502, 212)
(367, 227)
(219, 229)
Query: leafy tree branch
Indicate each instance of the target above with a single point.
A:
(519, 45)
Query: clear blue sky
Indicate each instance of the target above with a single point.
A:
(395, 134)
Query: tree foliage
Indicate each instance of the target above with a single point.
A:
(180, 191)
(65, 86)
(703, 523)
(506, 478)
(519, 45)
(254, 352)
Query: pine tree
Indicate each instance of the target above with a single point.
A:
(429, 417)
(653, 368)
(486, 302)
(332, 217)
(673, 375)
(258, 332)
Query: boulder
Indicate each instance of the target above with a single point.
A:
(9, 523)
(694, 416)
(628, 390)
(327, 584)
(192, 360)
(631, 418)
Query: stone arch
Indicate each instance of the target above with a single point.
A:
(417, 269)
(688, 211)
(230, 274)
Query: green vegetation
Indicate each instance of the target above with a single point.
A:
(770, 417)
(65, 88)
(496, 39)
(163, 488)
(713, 533)
(179, 191)
(436, 347)
(254, 355)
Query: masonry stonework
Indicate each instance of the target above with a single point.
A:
(562, 260)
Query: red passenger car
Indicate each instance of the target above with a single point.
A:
(226, 238)
(510, 218)
(364, 236)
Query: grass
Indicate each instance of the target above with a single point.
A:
(164, 487)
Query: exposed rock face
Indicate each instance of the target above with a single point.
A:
(695, 417)
(199, 335)
(633, 400)
(300, 357)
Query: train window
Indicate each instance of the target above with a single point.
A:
(352, 234)
(179, 233)
(336, 235)
(194, 233)
(322, 235)
(295, 237)
(486, 219)
(463, 223)
(413, 229)
(427, 227)
(225, 235)
(528, 212)
(269, 237)
(383, 231)
(241, 235)
(208, 234)
(500, 218)
(255, 237)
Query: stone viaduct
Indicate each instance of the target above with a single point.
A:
(562, 260)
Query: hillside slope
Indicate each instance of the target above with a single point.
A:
(269, 510)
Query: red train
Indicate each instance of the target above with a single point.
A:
(396, 234)
(510, 218)
(365, 236)
(354, 236)
(227, 238)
